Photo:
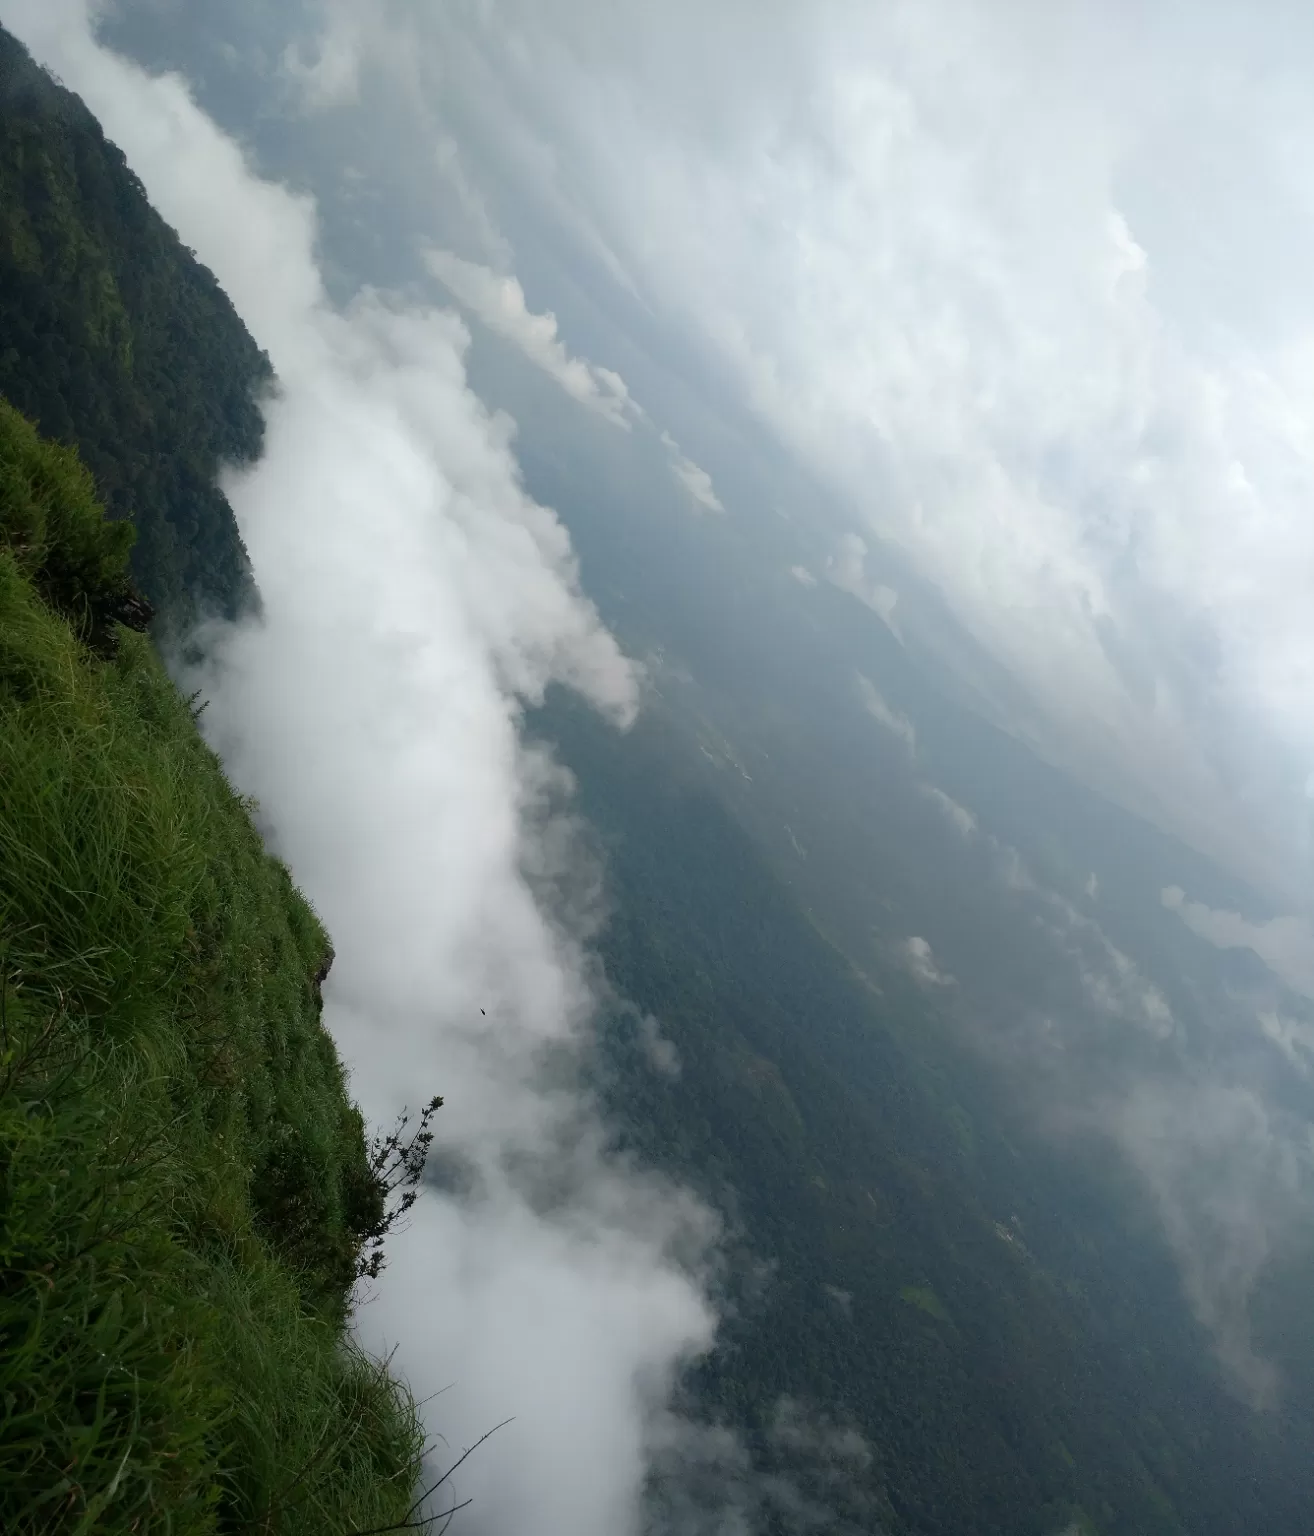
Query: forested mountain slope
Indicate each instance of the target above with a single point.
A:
(999, 1321)
(115, 339)
(882, 1142)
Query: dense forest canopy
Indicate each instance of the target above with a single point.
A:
(115, 339)
(1000, 1324)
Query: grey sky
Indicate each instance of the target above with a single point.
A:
(1023, 289)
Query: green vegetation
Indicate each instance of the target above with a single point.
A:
(185, 1188)
(115, 340)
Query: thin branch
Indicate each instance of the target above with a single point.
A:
(409, 1524)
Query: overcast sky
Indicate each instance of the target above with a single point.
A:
(1023, 287)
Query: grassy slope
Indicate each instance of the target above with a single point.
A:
(183, 1179)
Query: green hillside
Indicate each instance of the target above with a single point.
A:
(114, 339)
(185, 1186)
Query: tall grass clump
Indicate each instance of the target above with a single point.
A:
(185, 1186)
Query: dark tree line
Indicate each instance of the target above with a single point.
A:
(115, 340)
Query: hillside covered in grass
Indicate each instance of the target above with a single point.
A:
(185, 1186)
(114, 339)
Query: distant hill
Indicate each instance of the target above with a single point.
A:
(114, 339)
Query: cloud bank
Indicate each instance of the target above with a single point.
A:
(415, 599)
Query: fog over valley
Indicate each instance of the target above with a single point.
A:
(784, 664)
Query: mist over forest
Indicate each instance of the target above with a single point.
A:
(725, 605)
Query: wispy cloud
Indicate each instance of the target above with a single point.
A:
(696, 481)
(1227, 1184)
(1293, 1037)
(1112, 981)
(325, 73)
(897, 724)
(958, 816)
(499, 301)
(847, 568)
(1284, 944)
(1223, 1165)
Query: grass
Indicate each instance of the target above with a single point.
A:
(184, 1183)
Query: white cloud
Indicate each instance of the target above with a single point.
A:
(1115, 985)
(958, 816)
(1222, 1165)
(414, 600)
(875, 705)
(847, 568)
(696, 481)
(921, 962)
(706, 1485)
(1293, 1037)
(659, 1051)
(1111, 979)
(1284, 944)
(499, 301)
(1226, 1182)
(1011, 283)
(802, 575)
(327, 75)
